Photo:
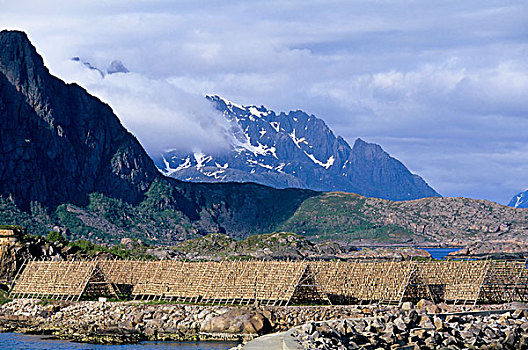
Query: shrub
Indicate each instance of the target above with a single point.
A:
(54, 236)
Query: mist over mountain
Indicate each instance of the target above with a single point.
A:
(58, 142)
(294, 150)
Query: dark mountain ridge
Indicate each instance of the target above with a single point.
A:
(294, 150)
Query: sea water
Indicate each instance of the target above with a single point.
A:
(440, 253)
(15, 341)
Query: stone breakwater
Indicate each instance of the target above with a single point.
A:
(129, 322)
(417, 329)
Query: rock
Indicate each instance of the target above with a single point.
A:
(438, 324)
(232, 321)
(407, 305)
(128, 243)
(432, 309)
(445, 308)
(400, 324)
(257, 324)
(423, 303)
(425, 322)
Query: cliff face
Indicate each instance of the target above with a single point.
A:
(57, 142)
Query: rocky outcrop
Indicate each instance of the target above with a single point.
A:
(128, 322)
(286, 245)
(324, 327)
(511, 249)
(295, 150)
(13, 256)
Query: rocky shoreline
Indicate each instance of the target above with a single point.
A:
(135, 321)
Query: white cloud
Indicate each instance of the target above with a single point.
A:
(161, 115)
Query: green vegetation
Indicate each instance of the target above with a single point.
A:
(155, 220)
(173, 212)
(223, 246)
(54, 236)
(341, 216)
(11, 215)
(84, 247)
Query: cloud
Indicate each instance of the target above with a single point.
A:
(161, 115)
(440, 86)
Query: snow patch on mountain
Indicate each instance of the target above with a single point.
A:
(325, 165)
(297, 140)
(201, 159)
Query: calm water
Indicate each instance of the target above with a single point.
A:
(440, 253)
(436, 253)
(15, 341)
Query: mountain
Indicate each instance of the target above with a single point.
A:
(58, 142)
(520, 200)
(115, 66)
(66, 159)
(294, 150)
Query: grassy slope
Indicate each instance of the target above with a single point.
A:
(341, 216)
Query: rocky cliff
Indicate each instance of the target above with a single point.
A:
(295, 150)
(57, 142)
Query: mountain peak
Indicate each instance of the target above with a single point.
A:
(116, 67)
(19, 60)
(360, 144)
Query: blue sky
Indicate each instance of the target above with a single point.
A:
(441, 85)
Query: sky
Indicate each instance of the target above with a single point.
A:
(440, 85)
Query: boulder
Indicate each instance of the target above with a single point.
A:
(236, 321)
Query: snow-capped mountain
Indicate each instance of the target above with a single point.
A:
(294, 150)
(520, 200)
